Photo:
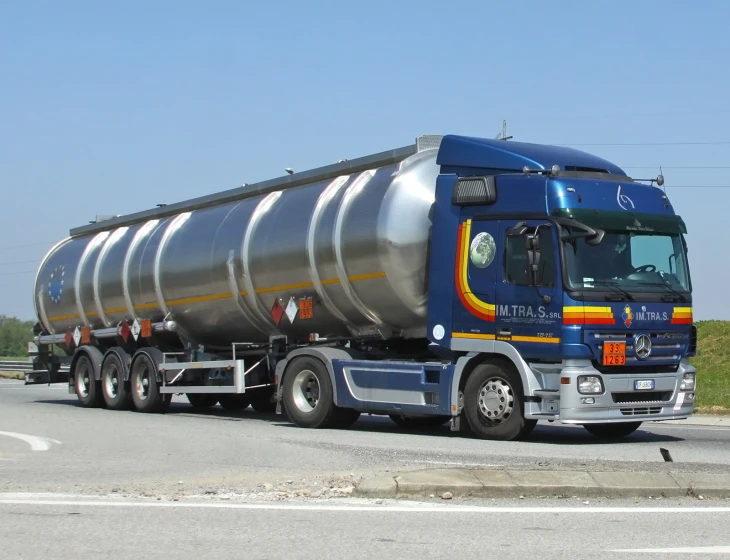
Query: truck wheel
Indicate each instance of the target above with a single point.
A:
(346, 417)
(419, 422)
(612, 431)
(113, 387)
(88, 389)
(145, 388)
(308, 394)
(202, 400)
(234, 403)
(494, 403)
(261, 401)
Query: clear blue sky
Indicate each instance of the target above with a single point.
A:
(109, 110)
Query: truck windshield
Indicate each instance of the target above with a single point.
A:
(628, 262)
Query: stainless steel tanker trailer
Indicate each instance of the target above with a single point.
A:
(313, 292)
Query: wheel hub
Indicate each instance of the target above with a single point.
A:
(306, 391)
(112, 382)
(83, 381)
(496, 400)
(142, 383)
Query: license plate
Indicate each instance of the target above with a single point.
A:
(614, 354)
(643, 384)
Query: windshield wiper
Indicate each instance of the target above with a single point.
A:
(620, 295)
(678, 296)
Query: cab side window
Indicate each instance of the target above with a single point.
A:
(515, 262)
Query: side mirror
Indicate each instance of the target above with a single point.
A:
(597, 238)
(517, 230)
(534, 272)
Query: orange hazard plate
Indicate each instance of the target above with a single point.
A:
(306, 310)
(614, 354)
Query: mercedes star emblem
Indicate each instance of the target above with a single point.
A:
(642, 346)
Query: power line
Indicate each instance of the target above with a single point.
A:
(675, 166)
(34, 261)
(713, 143)
(24, 246)
(18, 272)
(543, 117)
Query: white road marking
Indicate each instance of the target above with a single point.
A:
(36, 443)
(457, 463)
(681, 550)
(415, 508)
(15, 387)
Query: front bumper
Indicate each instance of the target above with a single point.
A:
(621, 402)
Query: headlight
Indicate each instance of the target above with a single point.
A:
(688, 382)
(590, 385)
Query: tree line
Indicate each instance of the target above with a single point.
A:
(14, 336)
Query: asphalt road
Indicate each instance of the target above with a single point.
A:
(78, 483)
(78, 529)
(184, 453)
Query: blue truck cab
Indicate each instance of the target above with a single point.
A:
(565, 284)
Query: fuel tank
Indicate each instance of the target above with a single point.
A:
(342, 256)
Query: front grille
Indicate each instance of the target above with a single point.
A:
(641, 411)
(692, 340)
(649, 396)
(667, 350)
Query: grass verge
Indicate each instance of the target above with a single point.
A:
(713, 367)
(12, 375)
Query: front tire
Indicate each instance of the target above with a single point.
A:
(88, 389)
(612, 431)
(494, 403)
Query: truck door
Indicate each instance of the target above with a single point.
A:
(476, 276)
(529, 298)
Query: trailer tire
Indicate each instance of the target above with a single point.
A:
(114, 388)
(202, 400)
(145, 388)
(612, 430)
(308, 395)
(88, 389)
(420, 422)
(261, 401)
(234, 403)
(494, 403)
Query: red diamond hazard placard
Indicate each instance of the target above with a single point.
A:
(277, 311)
(124, 331)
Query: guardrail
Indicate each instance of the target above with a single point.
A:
(23, 366)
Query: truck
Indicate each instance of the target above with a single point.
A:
(485, 284)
